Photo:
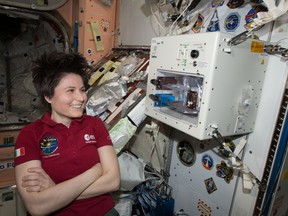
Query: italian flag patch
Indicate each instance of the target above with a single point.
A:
(19, 152)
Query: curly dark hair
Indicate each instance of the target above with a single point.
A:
(50, 68)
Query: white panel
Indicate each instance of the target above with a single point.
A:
(188, 181)
(136, 24)
(259, 141)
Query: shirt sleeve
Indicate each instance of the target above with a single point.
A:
(26, 147)
(102, 134)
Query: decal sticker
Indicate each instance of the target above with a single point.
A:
(210, 185)
(207, 162)
(217, 3)
(225, 172)
(19, 152)
(214, 23)
(154, 47)
(235, 3)
(6, 165)
(49, 145)
(105, 24)
(203, 208)
(253, 14)
(198, 24)
(89, 51)
(232, 22)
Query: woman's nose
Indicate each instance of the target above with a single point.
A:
(81, 96)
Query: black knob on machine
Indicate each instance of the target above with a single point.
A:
(194, 53)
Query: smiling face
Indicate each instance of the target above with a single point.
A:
(69, 99)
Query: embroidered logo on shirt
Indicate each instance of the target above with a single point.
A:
(49, 145)
(89, 138)
(19, 152)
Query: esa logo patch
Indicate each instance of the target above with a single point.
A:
(89, 138)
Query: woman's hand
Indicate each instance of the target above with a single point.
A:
(37, 180)
(109, 181)
(39, 191)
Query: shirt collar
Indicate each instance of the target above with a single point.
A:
(46, 119)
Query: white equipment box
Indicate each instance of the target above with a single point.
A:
(198, 82)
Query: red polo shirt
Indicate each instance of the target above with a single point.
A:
(65, 153)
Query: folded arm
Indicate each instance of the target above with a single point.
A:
(43, 201)
(110, 179)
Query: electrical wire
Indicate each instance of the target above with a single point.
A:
(156, 176)
(192, 21)
(171, 28)
(281, 41)
(156, 18)
(155, 134)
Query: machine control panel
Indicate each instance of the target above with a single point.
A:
(194, 85)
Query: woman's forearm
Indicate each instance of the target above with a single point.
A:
(110, 180)
(107, 183)
(60, 195)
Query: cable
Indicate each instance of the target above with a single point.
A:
(171, 28)
(156, 18)
(154, 148)
(281, 41)
(192, 22)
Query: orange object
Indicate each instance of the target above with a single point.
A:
(257, 47)
(85, 12)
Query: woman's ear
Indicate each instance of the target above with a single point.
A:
(47, 99)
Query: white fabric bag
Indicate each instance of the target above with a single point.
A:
(132, 171)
